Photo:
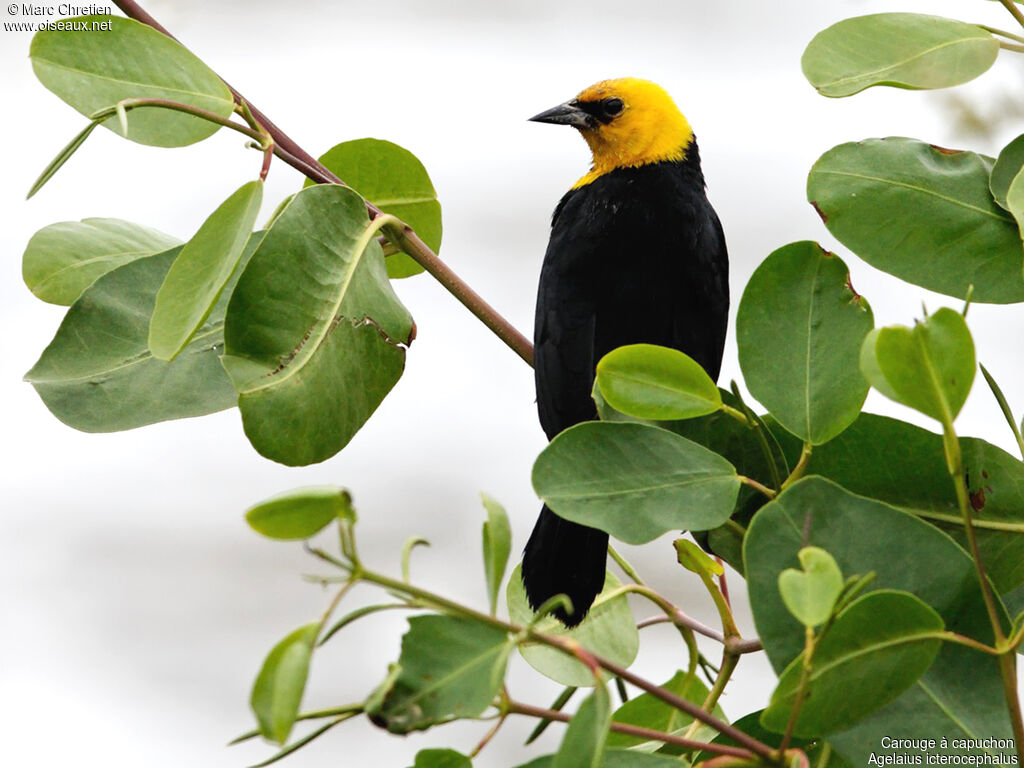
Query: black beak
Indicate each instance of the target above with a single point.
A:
(565, 114)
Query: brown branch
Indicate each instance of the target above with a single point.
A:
(633, 730)
(407, 239)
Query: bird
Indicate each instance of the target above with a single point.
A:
(636, 255)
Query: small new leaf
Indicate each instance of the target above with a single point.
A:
(657, 383)
(695, 559)
(278, 690)
(301, 513)
(929, 367)
(811, 594)
(497, 544)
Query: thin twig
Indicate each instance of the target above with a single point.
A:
(633, 730)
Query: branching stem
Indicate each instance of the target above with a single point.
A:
(649, 734)
(291, 153)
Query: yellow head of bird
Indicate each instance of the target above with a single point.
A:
(626, 122)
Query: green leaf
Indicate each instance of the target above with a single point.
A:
(394, 180)
(497, 543)
(960, 696)
(905, 50)
(441, 758)
(921, 213)
(301, 513)
(277, 693)
(929, 367)
(695, 559)
(609, 630)
(810, 594)
(584, 740)
(877, 648)
(449, 667)
(799, 328)
(98, 375)
(647, 711)
(63, 259)
(198, 276)
(315, 336)
(905, 466)
(62, 157)
(592, 472)
(131, 60)
(1008, 165)
(751, 725)
(658, 383)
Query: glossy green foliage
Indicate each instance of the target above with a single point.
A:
(922, 213)
(449, 667)
(609, 630)
(278, 690)
(657, 383)
(314, 336)
(905, 50)
(961, 693)
(198, 275)
(810, 593)
(877, 647)
(301, 513)
(497, 544)
(129, 61)
(98, 375)
(799, 328)
(905, 466)
(393, 179)
(63, 259)
(648, 711)
(591, 472)
(929, 367)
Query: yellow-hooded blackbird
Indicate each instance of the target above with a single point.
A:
(636, 255)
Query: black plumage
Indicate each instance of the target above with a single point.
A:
(635, 256)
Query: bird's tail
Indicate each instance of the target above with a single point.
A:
(564, 557)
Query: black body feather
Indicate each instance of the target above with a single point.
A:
(637, 255)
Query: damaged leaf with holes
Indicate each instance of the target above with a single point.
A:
(315, 337)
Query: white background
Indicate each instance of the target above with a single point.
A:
(136, 605)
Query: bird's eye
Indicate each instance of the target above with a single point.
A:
(612, 107)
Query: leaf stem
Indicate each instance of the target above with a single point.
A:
(801, 691)
(1001, 32)
(1007, 656)
(291, 153)
(760, 430)
(625, 565)
(1004, 406)
(763, 489)
(1010, 6)
(800, 468)
(1011, 46)
(648, 734)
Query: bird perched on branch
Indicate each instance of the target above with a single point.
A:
(636, 255)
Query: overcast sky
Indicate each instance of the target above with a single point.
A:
(137, 605)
